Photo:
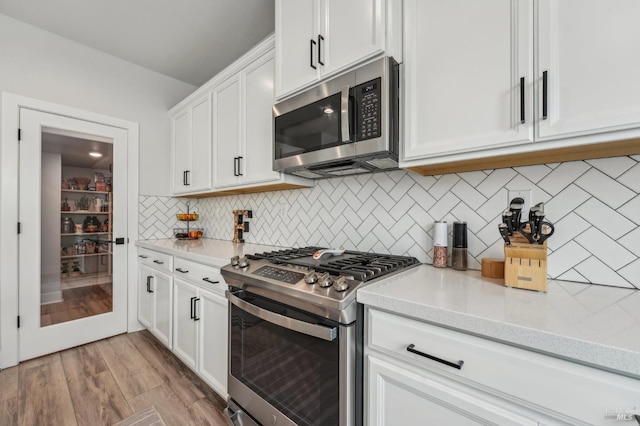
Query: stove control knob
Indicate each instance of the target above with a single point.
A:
(340, 284)
(243, 262)
(311, 277)
(325, 280)
(234, 260)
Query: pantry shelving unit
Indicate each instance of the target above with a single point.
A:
(101, 263)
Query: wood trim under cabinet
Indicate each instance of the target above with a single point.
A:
(265, 188)
(558, 155)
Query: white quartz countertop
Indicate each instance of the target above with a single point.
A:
(216, 253)
(594, 325)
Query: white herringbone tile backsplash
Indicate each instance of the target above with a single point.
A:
(595, 206)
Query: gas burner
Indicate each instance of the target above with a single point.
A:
(326, 286)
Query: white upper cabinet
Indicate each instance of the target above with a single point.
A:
(258, 122)
(588, 54)
(319, 38)
(485, 78)
(223, 132)
(468, 75)
(243, 129)
(297, 26)
(226, 131)
(191, 146)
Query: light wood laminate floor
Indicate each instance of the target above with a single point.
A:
(104, 382)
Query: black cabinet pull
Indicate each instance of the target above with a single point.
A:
(181, 270)
(522, 100)
(313, 42)
(159, 262)
(142, 256)
(545, 88)
(195, 309)
(320, 40)
(235, 166)
(149, 277)
(192, 316)
(210, 282)
(184, 177)
(239, 167)
(457, 365)
(187, 180)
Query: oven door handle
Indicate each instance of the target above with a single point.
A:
(325, 333)
(345, 115)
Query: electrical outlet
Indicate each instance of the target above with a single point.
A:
(524, 194)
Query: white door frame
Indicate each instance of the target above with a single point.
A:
(9, 150)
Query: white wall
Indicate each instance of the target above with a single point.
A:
(41, 65)
(50, 228)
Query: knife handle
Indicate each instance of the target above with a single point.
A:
(504, 233)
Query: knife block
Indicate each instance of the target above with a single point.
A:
(525, 266)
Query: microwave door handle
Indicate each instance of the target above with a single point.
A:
(318, 331)
(344, 111)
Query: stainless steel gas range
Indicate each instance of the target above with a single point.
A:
(295, 334)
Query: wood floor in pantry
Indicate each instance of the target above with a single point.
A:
(104, 382)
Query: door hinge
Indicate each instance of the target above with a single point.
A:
(18, 227)
(18, 321)
(19, 134)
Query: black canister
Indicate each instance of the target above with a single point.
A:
(459, 253)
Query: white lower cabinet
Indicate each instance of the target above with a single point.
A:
(213, 341)
(187, 311)
(155, 291)
(398, 396)
(411, 378)
(200, 322)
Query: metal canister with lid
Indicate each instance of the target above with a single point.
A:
(67, 226)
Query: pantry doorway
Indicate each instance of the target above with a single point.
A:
(72, 192)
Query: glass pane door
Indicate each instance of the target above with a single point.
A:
(72, 209)
(76, 215)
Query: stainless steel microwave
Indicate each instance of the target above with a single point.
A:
(347, 125)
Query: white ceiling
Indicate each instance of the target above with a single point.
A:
(190, 40)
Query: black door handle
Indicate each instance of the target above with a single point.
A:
(149, 277)
(522, 100)
(181, 270)
(313, 42)
(209, 281)
(187, 180)
(195, 309)
(457, 365)
(239, 167)
(159, 262)
(320, 40)
(545, 88)
(192, 316)
(235, 166)
(119, 241)
(184, 178)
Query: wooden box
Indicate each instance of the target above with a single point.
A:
(525, 266)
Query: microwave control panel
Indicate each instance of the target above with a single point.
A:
(369, 111)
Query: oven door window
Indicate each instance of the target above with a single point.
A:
(296, 373)
(310, 128)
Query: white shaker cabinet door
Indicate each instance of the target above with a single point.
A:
(351, 31)
(185, 327)
(468, 75)
(181, 150)
(257, 162)
(162, 286)
(296, 44)
(226, 132)
(213, 362)
(589, 55)
(397, 396)
(199, 177)
(145, 296)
